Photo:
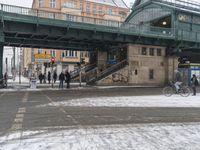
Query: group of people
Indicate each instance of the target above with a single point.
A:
(62, 77)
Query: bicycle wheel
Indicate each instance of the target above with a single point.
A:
(185, 91)
(167, 91)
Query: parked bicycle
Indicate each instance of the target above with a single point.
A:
(171, 89)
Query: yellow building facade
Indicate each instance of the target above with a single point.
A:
(102, 9)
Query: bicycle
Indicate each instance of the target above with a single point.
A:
(171, 89)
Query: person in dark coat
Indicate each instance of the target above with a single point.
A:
(67, 78)
(40, 77)
(194, 83)
(55, 76)
(49, 77)
(61, 79)
(44, 77)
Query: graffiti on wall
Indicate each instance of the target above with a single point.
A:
(118, 77)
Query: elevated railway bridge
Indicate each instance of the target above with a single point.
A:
(167, 23)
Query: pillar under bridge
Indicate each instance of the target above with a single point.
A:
(1, 60)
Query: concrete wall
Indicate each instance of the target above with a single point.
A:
(140, 65)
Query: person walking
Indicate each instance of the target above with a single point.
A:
(40, 77)
(54, 76)
(68, 78)
(44, 77)
(49, 77)
(61, 79)
(194, 83)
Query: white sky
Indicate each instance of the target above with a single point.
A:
(28, 3)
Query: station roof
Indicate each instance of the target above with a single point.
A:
(192, 7)
(186, 5)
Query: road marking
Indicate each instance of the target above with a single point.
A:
(62, 110)
(22, 110)
(2, 95)
(18, 121)
(25, 98)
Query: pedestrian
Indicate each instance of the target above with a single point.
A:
(40, 77)
(61, 79)
(44, 78)
(5, 78)
(194, 83)
(49, 76)
(55, 76)
(67, 78)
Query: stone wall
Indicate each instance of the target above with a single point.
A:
(150, 69)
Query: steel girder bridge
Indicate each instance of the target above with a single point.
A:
(26, 27)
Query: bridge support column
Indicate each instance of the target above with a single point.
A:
(1, 51)
(1, 60)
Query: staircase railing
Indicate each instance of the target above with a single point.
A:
(108, 71)
(86, 68)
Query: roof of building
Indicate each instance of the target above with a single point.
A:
(116, 3)
(189, 5)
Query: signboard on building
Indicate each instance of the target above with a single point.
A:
(42, 57)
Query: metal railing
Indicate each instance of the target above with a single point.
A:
(108, 71)
(102, 24)
(105, 25)
(86, 68)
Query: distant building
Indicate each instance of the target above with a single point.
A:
(66, 59)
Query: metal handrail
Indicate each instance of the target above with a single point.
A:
(114, 26)
(108, 71)
(101, 24)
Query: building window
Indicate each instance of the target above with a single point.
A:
(39, 51)
(144, 51)
(100, 10)
(151, 74)
(70, 17)
(63, 54)
(94, 9)
(110, 12)
(53, 3)
(75, 53)
(88, 7)
(151, 51)
(158, 51)
(69, 5)
(53, 53)
(81, 5)
(41, 3)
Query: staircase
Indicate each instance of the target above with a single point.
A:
(107, 72)
(75, 74)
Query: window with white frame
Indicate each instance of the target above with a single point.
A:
(53, 53)
(110, 11)
(53, 3)
(39, 51)
(41, 3)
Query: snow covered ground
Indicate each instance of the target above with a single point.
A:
(116, 137)
(132, 101)
(168, 136)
